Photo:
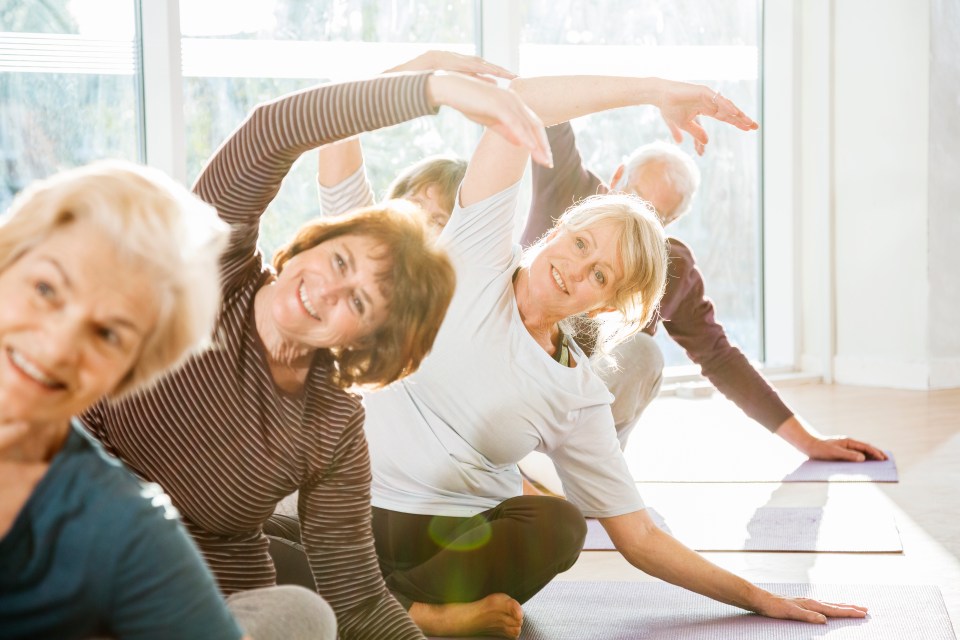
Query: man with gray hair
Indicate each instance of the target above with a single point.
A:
(668, 179)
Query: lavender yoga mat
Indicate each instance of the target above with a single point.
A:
(658, 611)
(773, 468)
(810, 529)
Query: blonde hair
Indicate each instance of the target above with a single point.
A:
(417, 279)
(444, 172)
(170, 235)
(643, 253)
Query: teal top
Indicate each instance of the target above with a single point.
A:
(96, 552)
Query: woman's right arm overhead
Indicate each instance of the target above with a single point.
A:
(245, 173)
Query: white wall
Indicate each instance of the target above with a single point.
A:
(944, 193)
(878, 228)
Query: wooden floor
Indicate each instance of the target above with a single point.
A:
(923, 431)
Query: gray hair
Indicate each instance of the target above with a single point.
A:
(680, 172)
(173, 236)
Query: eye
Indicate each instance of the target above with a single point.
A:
(44, 290)
(340, 262)
(599, 276)
(109, 336)
(581, 244)
(358, 304)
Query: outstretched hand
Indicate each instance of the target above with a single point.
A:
(808, 609)
(681, 105)
(473, 66)
(811, 443)
(498, 109)
(842, 448)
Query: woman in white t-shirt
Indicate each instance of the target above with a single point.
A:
(458, 544)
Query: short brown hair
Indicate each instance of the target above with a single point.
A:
(418, 283)
(444, 172)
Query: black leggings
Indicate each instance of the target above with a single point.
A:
(515, 548)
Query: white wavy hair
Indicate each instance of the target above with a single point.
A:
(171, 236)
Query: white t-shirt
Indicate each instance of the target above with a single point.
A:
(446, 440)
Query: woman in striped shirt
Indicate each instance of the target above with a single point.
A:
(355, 300)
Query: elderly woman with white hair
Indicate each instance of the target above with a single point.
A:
(108, 277)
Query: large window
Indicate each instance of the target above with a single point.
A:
(267, 48)
(704, 41)
(69, 94)
(68, 87)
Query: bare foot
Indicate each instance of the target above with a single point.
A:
(496, 615)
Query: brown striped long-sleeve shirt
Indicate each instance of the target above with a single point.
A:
(220, 437)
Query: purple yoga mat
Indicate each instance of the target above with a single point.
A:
(807, 529)
(785, 467)
(659, 611)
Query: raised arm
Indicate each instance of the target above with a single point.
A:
(341, 161)
(655, 552)
(560, 98)
(556, 99)
(342, 183)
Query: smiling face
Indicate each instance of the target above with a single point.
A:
(329, 295)
(577, 271)
(72, 325)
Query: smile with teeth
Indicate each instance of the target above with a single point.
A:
(559, 280)
(306, 302)
(32, 371)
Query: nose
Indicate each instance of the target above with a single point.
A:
(62, 340)
(581, 272)
(330, 293)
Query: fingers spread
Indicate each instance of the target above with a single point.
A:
(694, 129)
(675, 132)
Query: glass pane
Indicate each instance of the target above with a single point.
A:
(68, 87)
(707, 41)
(236, 55)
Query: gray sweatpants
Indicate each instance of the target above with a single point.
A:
(284, 612)
(633, 377)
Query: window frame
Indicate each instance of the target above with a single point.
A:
(497, 39)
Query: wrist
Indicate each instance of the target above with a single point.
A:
(436, 86)
(793, 431)
(757, 599)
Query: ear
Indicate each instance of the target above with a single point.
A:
(595, 312)
(617, 176)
